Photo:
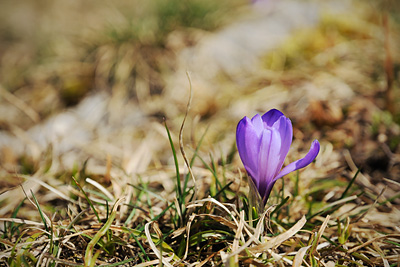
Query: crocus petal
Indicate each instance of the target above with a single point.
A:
(271, 117)
(301, 163)
(268, 162)
(284, 127)
(257, 124)
(247, 141)
(275, 119)
(267, 192)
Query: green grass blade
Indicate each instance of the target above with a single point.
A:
(178, 176)
(212, 169)
(222, 191)
(14, 215)
(140, 246)
(40, 212)
(390, 199)
(350, 184)
(277, 209)
(195, 155)
(196, 151)
(87, 198)
(90, 259)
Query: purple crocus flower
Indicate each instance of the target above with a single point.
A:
(263, 143)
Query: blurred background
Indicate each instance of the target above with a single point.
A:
(90, 83)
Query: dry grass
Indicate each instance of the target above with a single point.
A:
(98, 170)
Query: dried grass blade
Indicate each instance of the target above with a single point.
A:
(371, 241)
(100, 187)
(181, 138)
(320, 232)
(210, 199)
(153, 246)
(385, 262)
(298, 259)
(23, 221)
(191, 218)
(52, 189)
(276, 241)
(253, 238)
(238, 234)
(206, 259)
(221, 220)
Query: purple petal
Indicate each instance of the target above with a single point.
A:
(267, 192)
(268, 162)
(271, 117)
(257, 124)
(247, 142)
(284, 126)
(301, 163)
(275, 119)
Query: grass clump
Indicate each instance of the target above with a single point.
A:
(218, 229)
